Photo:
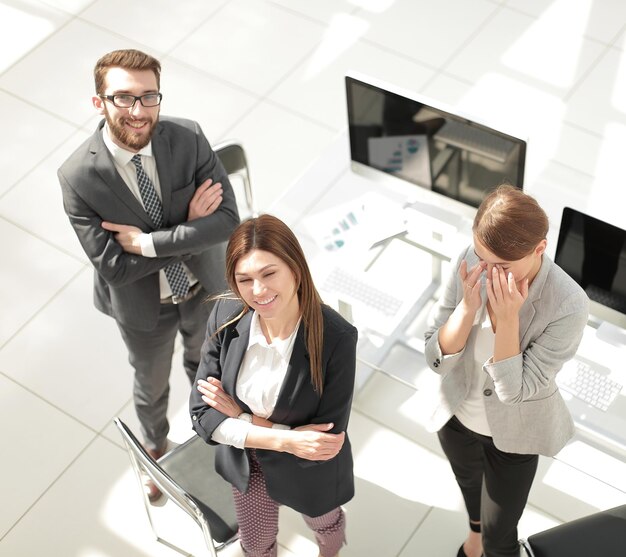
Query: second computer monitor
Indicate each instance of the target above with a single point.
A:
(593, 253)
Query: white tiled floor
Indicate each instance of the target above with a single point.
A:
(269, 73)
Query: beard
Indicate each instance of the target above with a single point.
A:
(134, 141)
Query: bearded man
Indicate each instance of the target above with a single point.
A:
(152, 207)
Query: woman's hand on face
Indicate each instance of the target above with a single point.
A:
(215, 396)
(504, 296)
(471, 284)
(311, 442)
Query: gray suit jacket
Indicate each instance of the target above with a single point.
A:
(310, 487)
(126, 286)
(525, 410)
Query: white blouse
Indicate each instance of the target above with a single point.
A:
(260, 379)
(472, 412)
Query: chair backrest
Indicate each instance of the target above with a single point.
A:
(602, 533)
(187, 476)
(233, 157)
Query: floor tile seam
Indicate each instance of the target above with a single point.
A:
(227, 135)
(302, 115)
(475, 33)
(109, 422)
(589, 475)
(80, 11)
(39, 107)
(49, 487)
(50, 403)
(313, 49)
(523, 79)
(581, 79)
(322, 192)
(417, 527)
(42, 307)
(37, 236)
(619, 35)
(572, 168)
(290, 71)
(296, 12)
(210, 75)
(562, 94)
(168, 52)
(389, 50)
(583, 35)
(266, 93)
(559, 92)
(258, 99)
(397, 431)
(582, 129)
(42, 42)
(267, 100)
(48, 154)
(544, 513)
(266, 96)
(137, 44)
(565, 121)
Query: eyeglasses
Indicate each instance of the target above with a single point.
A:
(128, 101)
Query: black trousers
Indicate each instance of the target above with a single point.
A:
(494, 484)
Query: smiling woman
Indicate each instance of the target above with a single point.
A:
(275, 386)
(266, 284)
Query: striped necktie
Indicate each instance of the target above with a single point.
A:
(176, 276)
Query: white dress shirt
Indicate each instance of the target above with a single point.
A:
(260, 379)
(472, 413)
(128, 172)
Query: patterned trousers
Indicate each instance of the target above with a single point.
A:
(257, 514)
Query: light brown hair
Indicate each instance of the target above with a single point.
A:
(129, 59)
(510, 223)
(270, 234)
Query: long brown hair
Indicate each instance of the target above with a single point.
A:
(510, 223)
(270, 234)
(128, 59)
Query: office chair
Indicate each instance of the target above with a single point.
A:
(233, 157)
(602, 533)
(187, 476)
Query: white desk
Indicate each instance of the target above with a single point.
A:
(328, 184)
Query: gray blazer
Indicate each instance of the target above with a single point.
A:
(524, 407)
(126, 286)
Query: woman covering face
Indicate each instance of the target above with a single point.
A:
(274, 390)
(507, 322)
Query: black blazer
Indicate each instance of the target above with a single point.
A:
(310, 487)
(126, 286)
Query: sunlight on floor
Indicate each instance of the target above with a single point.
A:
(610, 163)
(386, 470)
(522, 111)
(15, 42)
(343, 32)
(556, 65)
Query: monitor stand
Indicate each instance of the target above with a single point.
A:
(450, 221)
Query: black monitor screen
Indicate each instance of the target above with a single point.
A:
(432, 148)
(593, 253)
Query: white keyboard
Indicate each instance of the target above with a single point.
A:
(344, 283)
(589, 385)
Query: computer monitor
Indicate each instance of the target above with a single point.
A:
(593, 253)
(408, 137)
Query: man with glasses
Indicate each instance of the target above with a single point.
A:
(152, 207)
